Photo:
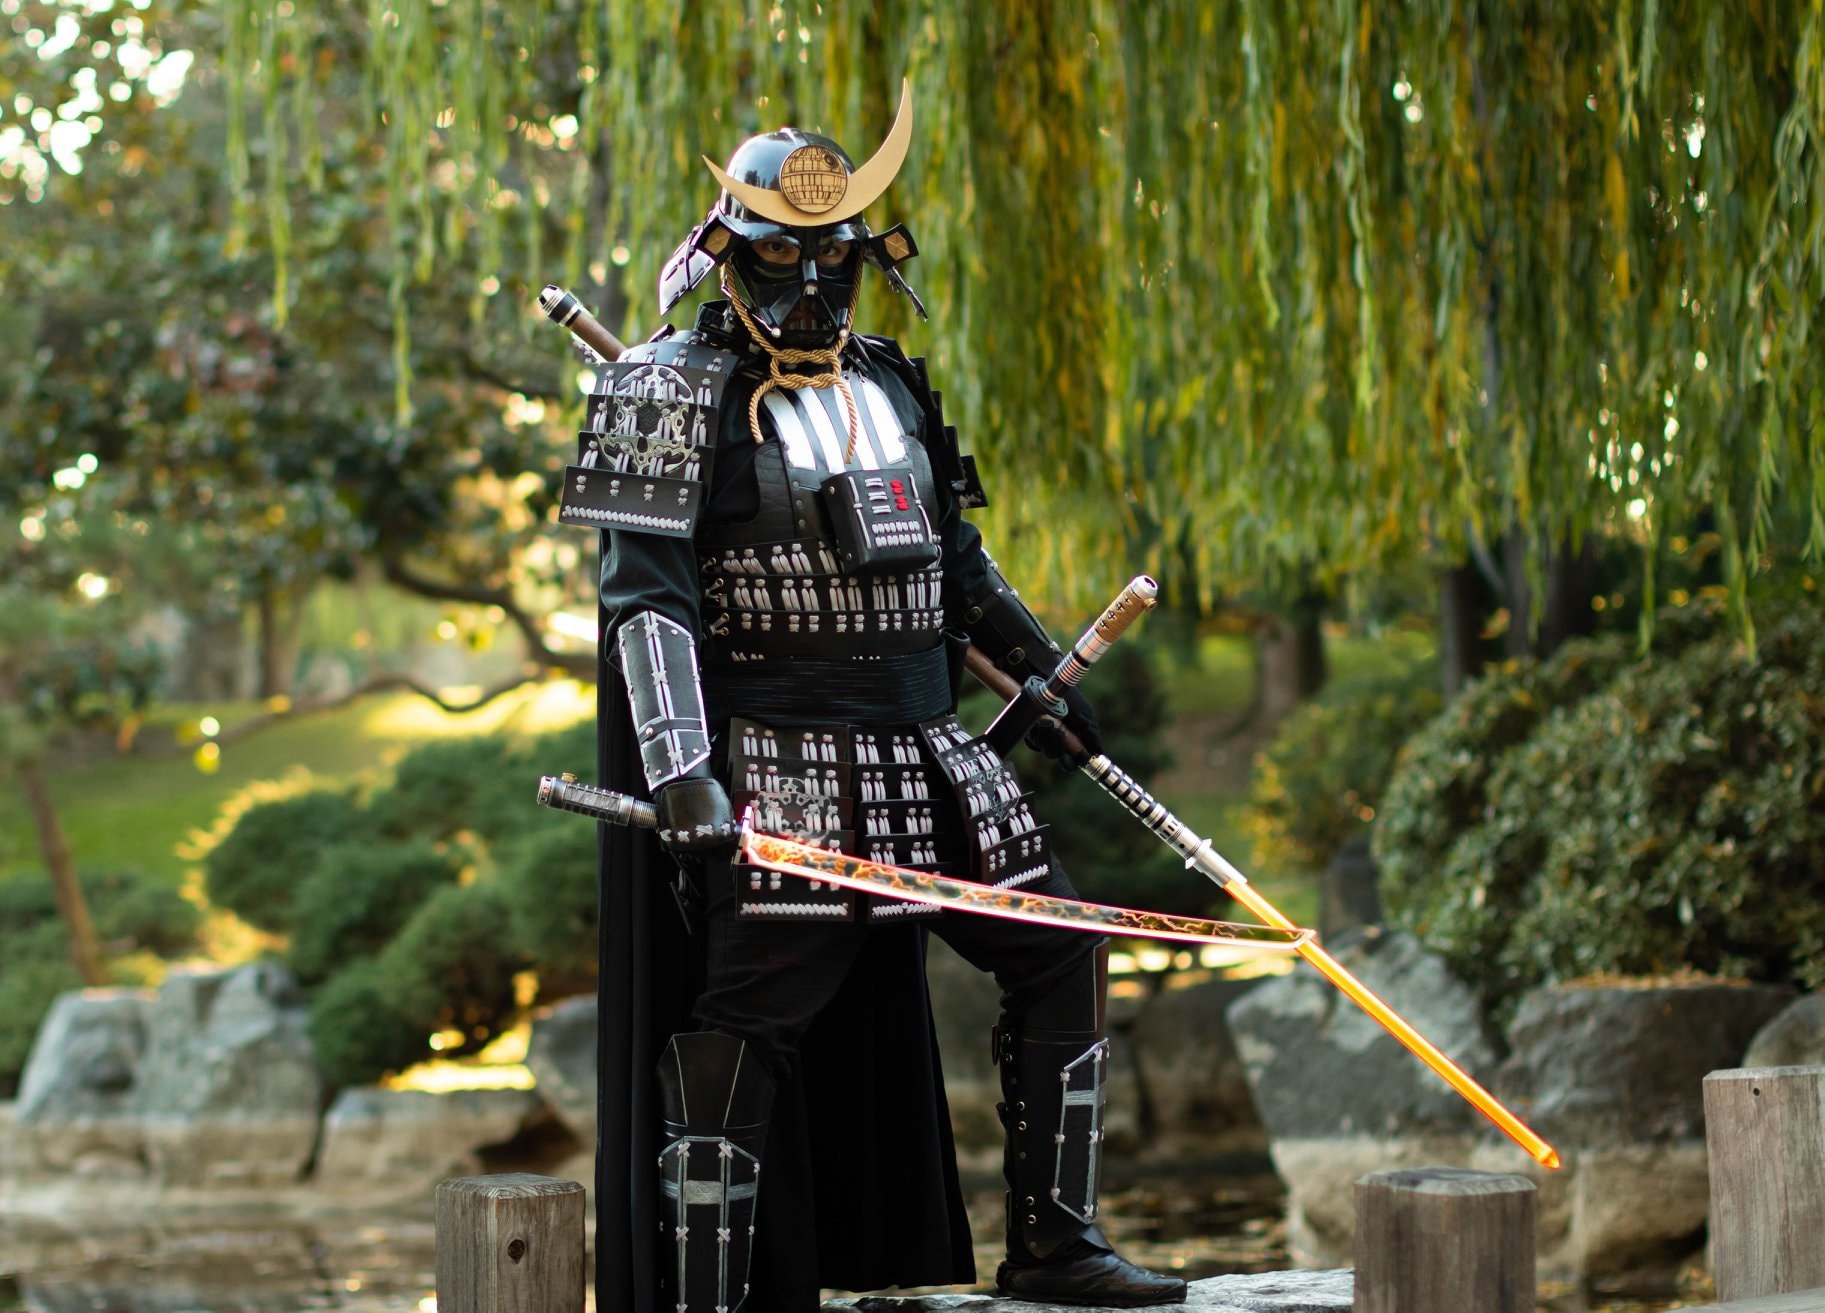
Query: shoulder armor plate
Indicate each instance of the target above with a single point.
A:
(643, 454)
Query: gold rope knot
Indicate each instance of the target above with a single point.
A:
(781, 359)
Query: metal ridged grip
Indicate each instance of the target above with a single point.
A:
(565, 794)
(1135, 600)
(564, 309)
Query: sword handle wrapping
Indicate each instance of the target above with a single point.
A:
(566, 793)
(563, 309)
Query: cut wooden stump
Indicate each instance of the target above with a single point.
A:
(509, 1244)
(1765, 1136)
(1444, 1240)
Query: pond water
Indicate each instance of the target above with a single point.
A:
(372, 1264)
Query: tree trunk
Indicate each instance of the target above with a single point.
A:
(1460, 627)
(71, 905)
(1290, 663)
(1570, 581)
(278, 638)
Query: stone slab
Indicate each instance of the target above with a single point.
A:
(1798, 1301)
(1262, 1292)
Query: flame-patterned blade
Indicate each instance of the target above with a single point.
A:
(781, 854)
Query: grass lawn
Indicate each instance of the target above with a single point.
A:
(135, 813)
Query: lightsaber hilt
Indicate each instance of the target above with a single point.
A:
(566, 793)
(1169, 829)
(1045, 697)
(563, 309)
(1139, 597)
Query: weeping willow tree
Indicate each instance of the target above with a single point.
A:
(1236, 292)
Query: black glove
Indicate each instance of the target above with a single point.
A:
(1046, 736)
(694, 816)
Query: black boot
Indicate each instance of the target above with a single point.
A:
(715, 1098)
(1053, 1082)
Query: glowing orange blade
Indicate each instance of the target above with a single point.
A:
(1396, 1025)
(1201, 857)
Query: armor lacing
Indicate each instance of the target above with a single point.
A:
(781, 358)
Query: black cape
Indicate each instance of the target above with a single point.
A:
(860, 1188)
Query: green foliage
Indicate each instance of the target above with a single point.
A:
(480, 785)
(547, 878)
(256, 870)
(1616, 815)
(1400, 337)
(450, 968)
(356, 898)
(1320, 781)
(132, 914)
(359, 1028)
(409, 913)
(28, 987)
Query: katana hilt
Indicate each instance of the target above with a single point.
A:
(1045, 697)
(566, 311)
(1149, 811)
(1139, 597)
(567, 793)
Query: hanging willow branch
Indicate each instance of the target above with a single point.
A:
(1241, 289)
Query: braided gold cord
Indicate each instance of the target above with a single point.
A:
(780, 358)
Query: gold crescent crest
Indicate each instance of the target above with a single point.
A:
(864, 186)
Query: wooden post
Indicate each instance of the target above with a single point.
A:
(1765, 1135)
(1444, 1240)
(509, 1244)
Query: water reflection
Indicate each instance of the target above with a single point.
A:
(196, 1265)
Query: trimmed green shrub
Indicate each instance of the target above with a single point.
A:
(131, 914)
(1672, 818)
(1320, 781)
(257, 868)
(482, 786)
(359, 1031)
(450, 968)
(357, 897)
(450, 786)
(28, 987)
(547, 877)
(1441, 782)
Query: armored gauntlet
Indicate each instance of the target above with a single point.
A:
(659, 662)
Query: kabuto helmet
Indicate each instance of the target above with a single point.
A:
(789, 230)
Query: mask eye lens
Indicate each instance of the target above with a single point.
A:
(833, 254)
(777, 250)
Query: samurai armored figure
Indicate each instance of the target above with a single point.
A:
(788, 586)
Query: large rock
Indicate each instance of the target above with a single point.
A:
(1320, 1067)
(1197, 1096)
(85, 1059)
(562, 1058)
(383, 1144)
(1613, 1077)
(74, 1118)
(1625, 1064)
(228, 1093)
(1795, 1038)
